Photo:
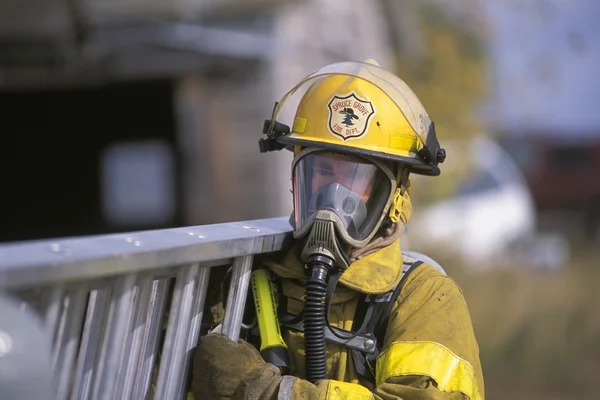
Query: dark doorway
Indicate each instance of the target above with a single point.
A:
(51, 156)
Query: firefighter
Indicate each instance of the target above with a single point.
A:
(358, 133)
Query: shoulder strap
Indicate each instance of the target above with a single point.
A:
(411, 260)
(380, 324)
(377, 324)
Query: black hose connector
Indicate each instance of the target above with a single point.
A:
(314, 318)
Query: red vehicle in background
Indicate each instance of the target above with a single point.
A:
(563, 173)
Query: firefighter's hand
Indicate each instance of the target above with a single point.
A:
(224, 369)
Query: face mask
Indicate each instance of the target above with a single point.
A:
(339, 202)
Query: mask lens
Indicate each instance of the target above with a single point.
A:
(353, 188)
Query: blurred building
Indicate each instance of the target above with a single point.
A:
(545, 91)
(545, 73)
(130, 115)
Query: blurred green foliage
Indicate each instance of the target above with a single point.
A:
(449, 75)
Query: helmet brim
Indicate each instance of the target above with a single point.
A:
(415, 165)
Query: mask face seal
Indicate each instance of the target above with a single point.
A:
(339, 200)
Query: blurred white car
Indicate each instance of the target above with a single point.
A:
(489, 212)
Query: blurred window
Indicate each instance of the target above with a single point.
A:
(138, 185)
(570, 157)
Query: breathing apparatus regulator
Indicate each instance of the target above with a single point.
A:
(358, 133)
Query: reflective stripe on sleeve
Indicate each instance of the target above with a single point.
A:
(450, 372)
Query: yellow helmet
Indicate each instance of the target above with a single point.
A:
(359, 108)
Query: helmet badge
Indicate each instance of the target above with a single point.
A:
(349, 116)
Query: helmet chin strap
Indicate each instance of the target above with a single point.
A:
(396, 207)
